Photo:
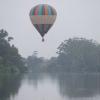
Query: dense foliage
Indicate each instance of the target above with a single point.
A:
(36, 64)
(10, 59)
(77, 55)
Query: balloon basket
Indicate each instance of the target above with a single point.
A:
(42, 39)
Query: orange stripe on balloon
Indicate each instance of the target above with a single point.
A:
(46, 10)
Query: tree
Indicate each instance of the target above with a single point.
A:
(79, 55)
(10, 59)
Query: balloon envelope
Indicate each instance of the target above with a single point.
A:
(43, 17)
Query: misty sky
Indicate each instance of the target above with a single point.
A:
(76, 18)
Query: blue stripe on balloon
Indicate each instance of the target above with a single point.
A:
(49, 10)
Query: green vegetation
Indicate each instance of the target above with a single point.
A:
(36, 64)
(10, 59)
(75, 55)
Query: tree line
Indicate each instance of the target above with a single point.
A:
(75, 55)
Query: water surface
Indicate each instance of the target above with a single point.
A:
(42, 86)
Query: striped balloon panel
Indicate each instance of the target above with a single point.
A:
(43, 28)
(45, 19)
(43, 9)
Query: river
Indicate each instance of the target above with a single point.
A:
(44, 86)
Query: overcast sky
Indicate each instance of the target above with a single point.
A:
(76, 18)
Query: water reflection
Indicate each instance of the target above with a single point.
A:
(33, 78)
(79, 85)
(9, 85)
(72, 85)
(44, 86)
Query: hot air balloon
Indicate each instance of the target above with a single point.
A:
(43, 17)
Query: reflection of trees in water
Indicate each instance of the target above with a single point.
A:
(34, 78)
(9, 85)
(79, 85)
(71, 85)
